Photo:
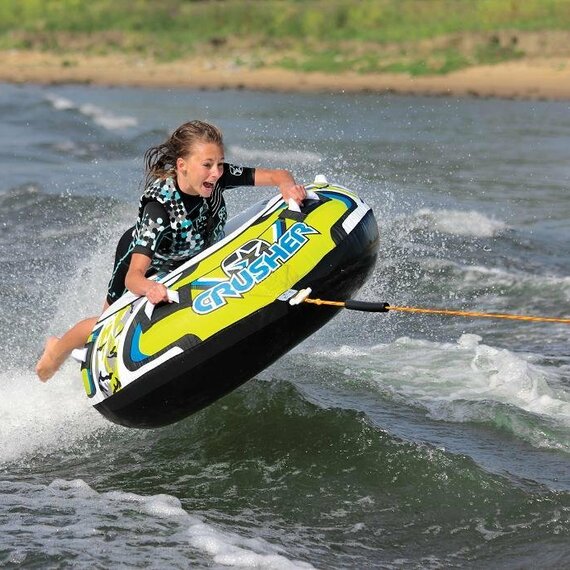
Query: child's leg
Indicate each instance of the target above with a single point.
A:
(57, 349)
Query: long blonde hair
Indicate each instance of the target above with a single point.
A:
(160, 160)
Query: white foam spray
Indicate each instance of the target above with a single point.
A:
(466, 381)
(39, 418)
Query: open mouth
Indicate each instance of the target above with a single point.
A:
(208, 187)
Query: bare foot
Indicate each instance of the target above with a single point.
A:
(48, 364)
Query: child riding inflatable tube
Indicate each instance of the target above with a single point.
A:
(147, 366)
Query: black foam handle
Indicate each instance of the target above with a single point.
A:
(366, 306)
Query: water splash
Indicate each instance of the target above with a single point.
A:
(39, 419)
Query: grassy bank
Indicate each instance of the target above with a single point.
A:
(414, 36)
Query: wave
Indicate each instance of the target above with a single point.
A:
(118, 528)
(80, 150)
(495, 278)
(100, 116)
(280, 482)
(466, 381)
(289, 156)
(486, 271)
(457, 222)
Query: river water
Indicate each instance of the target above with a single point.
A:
(385, 440)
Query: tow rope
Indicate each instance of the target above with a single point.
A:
(353, 305)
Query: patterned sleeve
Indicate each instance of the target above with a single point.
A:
(153, 227)
(236, 176)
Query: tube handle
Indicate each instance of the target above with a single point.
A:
(173, 297)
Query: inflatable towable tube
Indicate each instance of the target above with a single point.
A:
(147, 366)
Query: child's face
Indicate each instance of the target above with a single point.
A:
(198, 172)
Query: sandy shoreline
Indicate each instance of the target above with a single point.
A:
(534, 79)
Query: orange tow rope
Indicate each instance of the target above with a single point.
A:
(384, 307)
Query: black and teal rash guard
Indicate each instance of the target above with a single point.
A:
(173, 226)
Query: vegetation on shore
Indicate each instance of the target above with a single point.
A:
(413, 36)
